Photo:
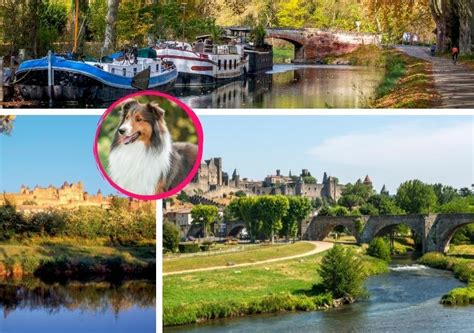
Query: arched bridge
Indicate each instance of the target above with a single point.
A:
(312, 45)
(434, 230)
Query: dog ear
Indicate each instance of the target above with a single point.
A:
(156, 110)
(127, 106)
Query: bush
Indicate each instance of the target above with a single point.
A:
(189, 248)
(171, 236)
(341, 273)
(379, 248)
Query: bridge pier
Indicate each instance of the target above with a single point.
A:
(299, 54)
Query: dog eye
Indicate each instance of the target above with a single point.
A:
(138, 119)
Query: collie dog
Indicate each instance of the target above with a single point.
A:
(143, 159)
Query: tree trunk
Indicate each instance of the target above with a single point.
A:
(465, 33)
(110, 29)
(273, 241)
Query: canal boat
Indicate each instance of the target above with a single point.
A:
(60, 78)
(204, 63)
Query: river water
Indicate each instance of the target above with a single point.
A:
(406, 299)
(33, 306)
(291, 86)
(285, 86)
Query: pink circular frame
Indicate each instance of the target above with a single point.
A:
(197, 163)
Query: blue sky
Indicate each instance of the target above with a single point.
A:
(391, 149)
(45, 150)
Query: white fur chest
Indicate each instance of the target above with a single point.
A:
(138, 169)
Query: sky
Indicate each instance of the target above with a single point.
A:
(45, 150)
(390, 149)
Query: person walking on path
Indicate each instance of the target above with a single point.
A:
(455, 53)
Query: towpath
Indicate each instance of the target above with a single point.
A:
(454, 83)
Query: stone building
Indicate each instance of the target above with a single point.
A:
(212, 182)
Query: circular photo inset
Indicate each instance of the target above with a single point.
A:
(149, 145)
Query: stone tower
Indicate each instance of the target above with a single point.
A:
(299, 186)
(235, 178)
(368, 181)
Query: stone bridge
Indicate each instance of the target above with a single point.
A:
(312, 45)
(434, 230)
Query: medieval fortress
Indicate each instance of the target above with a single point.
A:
(211, 182)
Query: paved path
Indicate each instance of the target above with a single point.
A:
(455, 83)
(319, 247)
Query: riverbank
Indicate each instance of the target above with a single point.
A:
(282, 286)
(63, 259)
(407, 82)
(462, 265)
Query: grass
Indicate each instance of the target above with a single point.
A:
(25, 259)
(280, 54)
(282, 286)
(407, 83)
(367, 55)
(463, 269)
(253, 254)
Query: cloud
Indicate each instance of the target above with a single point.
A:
(402, 152)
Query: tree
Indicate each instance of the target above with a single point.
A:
(385, 205)
(416, 197)
(444, 193)
(205, 215)
(341, 273)
(379, 248)
(171, 236)
(299, 209)
(270, 210)
(244, 209)
(354, 195)
(110, 28)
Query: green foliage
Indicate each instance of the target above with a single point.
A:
(355, 195)
(416, 197)
(119, 224)
(189, 247)
(309, 180)
(240, 194)
(270, 210)
(244, 209)
(171, 236)
(205, 215)
(394, 69)
(257, 35)
(337, 210)
(385, 205)
(299, 209)
(444, 193)
(379, 248)
(183, 196)
(341, 273)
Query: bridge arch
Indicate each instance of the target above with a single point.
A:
(321, 226)
(444, 229)
(195, 231)
(377, 224)
(234, 229)
(295, 37)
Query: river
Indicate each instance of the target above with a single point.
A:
(33, 306)
(291, 86)
(406, 299)
(285, 86)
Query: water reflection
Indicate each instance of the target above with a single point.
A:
(291, 86)
(76, 307)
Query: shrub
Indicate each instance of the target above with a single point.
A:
(341, 273)
(189, 248)
(171, 236)
(379, 248)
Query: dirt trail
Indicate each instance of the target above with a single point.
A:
(454, 83)
(319, 247)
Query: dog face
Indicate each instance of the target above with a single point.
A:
(141, 123)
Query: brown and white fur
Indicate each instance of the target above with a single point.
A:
(143, 159)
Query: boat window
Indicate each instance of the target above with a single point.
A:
(157, 67)
(219, 63)
(235, 63)
(134, 71)
(124, 72)
(113, 70)
(230, 64)
(225, 64)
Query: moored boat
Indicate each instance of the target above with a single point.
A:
(60, 78)
(204, 63)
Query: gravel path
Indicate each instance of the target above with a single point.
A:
(319, 247)
(455, 83)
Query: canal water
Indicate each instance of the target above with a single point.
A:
(33, 306)
(406, 299)
(285, 86)
(291, 86)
